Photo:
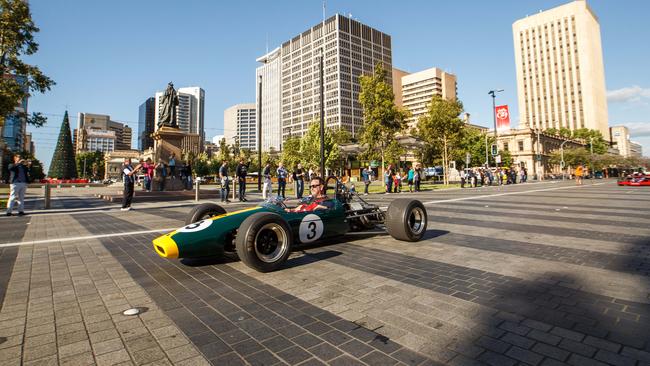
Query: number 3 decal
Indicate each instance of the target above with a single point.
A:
(197, 226)
(311, 228)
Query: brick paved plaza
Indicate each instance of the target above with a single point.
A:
(538, 274)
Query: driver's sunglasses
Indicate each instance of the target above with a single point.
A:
(314, 186)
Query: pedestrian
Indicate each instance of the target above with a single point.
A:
(225, 182)
(366, 175)
(148, 169)
(298, 177)
(241, 172)
(128, 176)
(417, 177)
(310, 173)
(188, 175)
(578, 173)
(267, 189)
(397, 180)
(282, 179)
(388, 179)
(161, 173)
(172, 166)
(18, 180)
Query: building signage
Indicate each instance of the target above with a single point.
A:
(503, 117)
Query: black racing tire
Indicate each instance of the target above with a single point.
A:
(264, 241)
(406, 219)
(204, 211)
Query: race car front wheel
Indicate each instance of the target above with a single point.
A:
(264, 241)
(204, 211)
(406, 219)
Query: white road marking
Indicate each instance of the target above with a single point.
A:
(78, 238)
(505, 194)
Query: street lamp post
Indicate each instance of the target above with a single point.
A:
(494, 113)
(259, 135)
(562, 157)
(322, 116)
(538, 158)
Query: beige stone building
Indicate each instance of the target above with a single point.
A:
(560, 72)
(397, 85)
(620, 137)
(415, 90)
(97, 132)
(240, 124)
(525, 143)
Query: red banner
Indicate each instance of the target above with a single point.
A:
(503, 117)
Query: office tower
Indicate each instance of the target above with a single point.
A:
(15, 124)
(350, 49)
(240, 125)
(269, 72)
(146, 124)
(418, 88)
(560, 73)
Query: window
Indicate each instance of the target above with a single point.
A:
(521, 145)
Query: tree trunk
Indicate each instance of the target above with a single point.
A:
(383, 170)
(445, 162)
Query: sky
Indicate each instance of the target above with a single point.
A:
(108, 57)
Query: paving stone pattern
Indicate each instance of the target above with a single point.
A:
(7, 260)
(236, 319)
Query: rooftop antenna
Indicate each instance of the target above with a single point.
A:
(267, 43)
(324, 11)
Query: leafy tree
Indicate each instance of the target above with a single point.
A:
(94, 164)
(224, 151)
(201, 165)
(310, 148)
(291, 152)
(594, 137)
(442, 127)
(552, 131)
(565, 132)
(382, 119)
(18, 80)
(394, 151)
(63, 162)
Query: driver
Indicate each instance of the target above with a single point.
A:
(317, 200)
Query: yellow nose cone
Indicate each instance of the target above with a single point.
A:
(166, 247)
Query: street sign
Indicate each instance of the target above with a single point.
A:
(495, 150)
(497, 159)
(538, 157)
(468, 158)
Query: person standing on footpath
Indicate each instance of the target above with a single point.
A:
(366, 175)
(299, 178)
(161, 172)
(579, 172)
(148, 168)
(241, 172)
(18, 180)
(128, 177)
(417, 177)
(172, 166)
(225, 183)
(267, 189)
(282, 179)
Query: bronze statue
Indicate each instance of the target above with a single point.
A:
(168, 105)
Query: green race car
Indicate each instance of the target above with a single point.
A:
(263, 236)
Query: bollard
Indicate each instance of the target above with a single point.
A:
(46, 196)
(196, 192)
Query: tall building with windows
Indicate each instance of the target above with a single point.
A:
(417, 89)
(560, 72)
(15, 124)
(240, 125)
(269, 75)
(190, 111)
(98, 128)
(349, 49)
(146, 126)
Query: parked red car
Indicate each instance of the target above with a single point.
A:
(636, 179)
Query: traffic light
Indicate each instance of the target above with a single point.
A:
(495, 150)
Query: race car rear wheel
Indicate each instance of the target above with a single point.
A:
(406, 219)
(204, 211)
(264, 241)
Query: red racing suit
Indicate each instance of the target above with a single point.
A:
(312, 204)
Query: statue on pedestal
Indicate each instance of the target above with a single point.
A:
(168, 105)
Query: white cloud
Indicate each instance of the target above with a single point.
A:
(638, 129)
(628, 94)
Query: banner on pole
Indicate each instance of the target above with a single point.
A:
(503, 117)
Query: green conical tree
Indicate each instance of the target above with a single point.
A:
(63, 164)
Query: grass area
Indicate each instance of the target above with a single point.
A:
(4, 196)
